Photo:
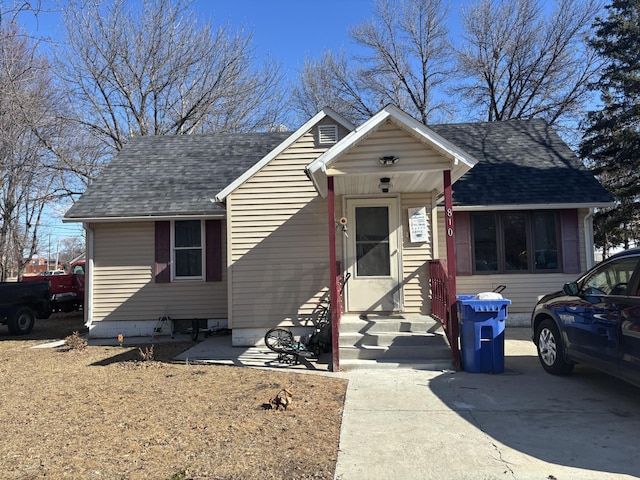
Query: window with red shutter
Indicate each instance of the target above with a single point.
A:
(187, 250)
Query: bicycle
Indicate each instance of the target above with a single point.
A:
(281, 341)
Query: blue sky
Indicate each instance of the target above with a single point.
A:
(287, 30)
(290, 30)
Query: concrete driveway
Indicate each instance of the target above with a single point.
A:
(522, 424)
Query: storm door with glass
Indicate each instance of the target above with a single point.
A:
(372, 255)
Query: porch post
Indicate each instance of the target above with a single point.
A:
(448, 212)
(451, 271)
(333, 278)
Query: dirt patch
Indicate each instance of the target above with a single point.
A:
(103, 412)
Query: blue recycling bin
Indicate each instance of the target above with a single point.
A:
(482, 323)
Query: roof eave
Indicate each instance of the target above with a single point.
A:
(530, 206)
(145, 218)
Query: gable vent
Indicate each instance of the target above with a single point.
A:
(327, 134)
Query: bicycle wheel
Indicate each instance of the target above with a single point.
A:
(278, 339)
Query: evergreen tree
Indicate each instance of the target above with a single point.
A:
(611, 143)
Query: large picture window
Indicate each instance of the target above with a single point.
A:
(187, 251)
(511, 242)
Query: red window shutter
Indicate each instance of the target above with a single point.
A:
(462, 223)
(162, 268)
(570, 245)
(213, 239)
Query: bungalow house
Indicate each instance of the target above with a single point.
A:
(249, 229)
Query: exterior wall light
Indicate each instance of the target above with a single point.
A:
(385, 184)
(388, 160)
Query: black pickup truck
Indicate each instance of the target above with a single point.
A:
(22, 303)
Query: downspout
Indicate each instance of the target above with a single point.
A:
(88, 277)
(588, 238)
(334, 293)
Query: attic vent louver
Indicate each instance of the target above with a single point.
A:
(327, 134)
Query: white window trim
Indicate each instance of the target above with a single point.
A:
(175, 278)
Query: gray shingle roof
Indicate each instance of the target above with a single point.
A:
(520, 162)
(172, 174)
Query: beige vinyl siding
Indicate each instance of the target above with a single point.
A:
(415, 256)
(522, 289)
(389, 140)
(279, 257)
(124, 288)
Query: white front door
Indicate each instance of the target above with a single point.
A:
(372, 255)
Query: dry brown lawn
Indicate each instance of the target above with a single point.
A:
(103, 413)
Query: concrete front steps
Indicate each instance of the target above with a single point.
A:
(393, 341)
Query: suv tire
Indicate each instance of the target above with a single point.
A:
(550, 349)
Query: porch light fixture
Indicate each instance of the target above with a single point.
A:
(388, 160)
(385, 184)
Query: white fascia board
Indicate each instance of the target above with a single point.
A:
(524, 206)
(325, 112)
(146, 218)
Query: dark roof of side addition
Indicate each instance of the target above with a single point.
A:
(172, 175)
(521, 162)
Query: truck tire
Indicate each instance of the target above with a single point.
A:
(21, 321)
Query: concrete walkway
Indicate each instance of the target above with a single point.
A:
(438, 424)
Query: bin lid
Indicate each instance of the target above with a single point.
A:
(483, 305)
(489, 296)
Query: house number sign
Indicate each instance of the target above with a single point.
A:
(449, 222)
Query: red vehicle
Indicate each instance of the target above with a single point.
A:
(67, 290)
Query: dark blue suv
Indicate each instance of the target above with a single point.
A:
(594, 320)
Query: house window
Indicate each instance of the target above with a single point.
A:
(187, 250)
(512, 242)
(166, 247)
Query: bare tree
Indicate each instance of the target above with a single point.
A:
(28, 171)
(521, 64)
(154, 70)
(406, 62)
(332, 82)
(10, 9)
(71, 248)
